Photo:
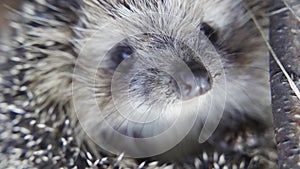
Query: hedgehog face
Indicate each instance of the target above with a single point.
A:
(154, 65)
(151, 79)
(160, 72)
(145, 85)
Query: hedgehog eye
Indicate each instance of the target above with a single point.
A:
(209, 32)
(121, 53)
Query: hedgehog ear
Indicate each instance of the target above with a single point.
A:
(210, 32)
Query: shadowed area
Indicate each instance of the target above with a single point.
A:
(4, 4)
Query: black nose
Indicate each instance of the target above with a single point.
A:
(195, 84)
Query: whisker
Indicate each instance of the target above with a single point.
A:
(246, 67)
(237, 83)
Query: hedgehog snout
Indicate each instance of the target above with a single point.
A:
(191, 85)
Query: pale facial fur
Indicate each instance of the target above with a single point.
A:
(137, 97)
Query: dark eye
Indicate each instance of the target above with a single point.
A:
(209, 32)
(120, 53)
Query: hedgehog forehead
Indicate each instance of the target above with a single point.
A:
(148, 42)
(152, 48)
(115, 22)
(175, 18)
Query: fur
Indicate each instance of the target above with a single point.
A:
(60, 82)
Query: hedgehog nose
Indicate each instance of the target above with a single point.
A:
(195, 84)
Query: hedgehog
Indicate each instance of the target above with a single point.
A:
(136, 84)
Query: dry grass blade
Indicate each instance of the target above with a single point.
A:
(274, 55)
